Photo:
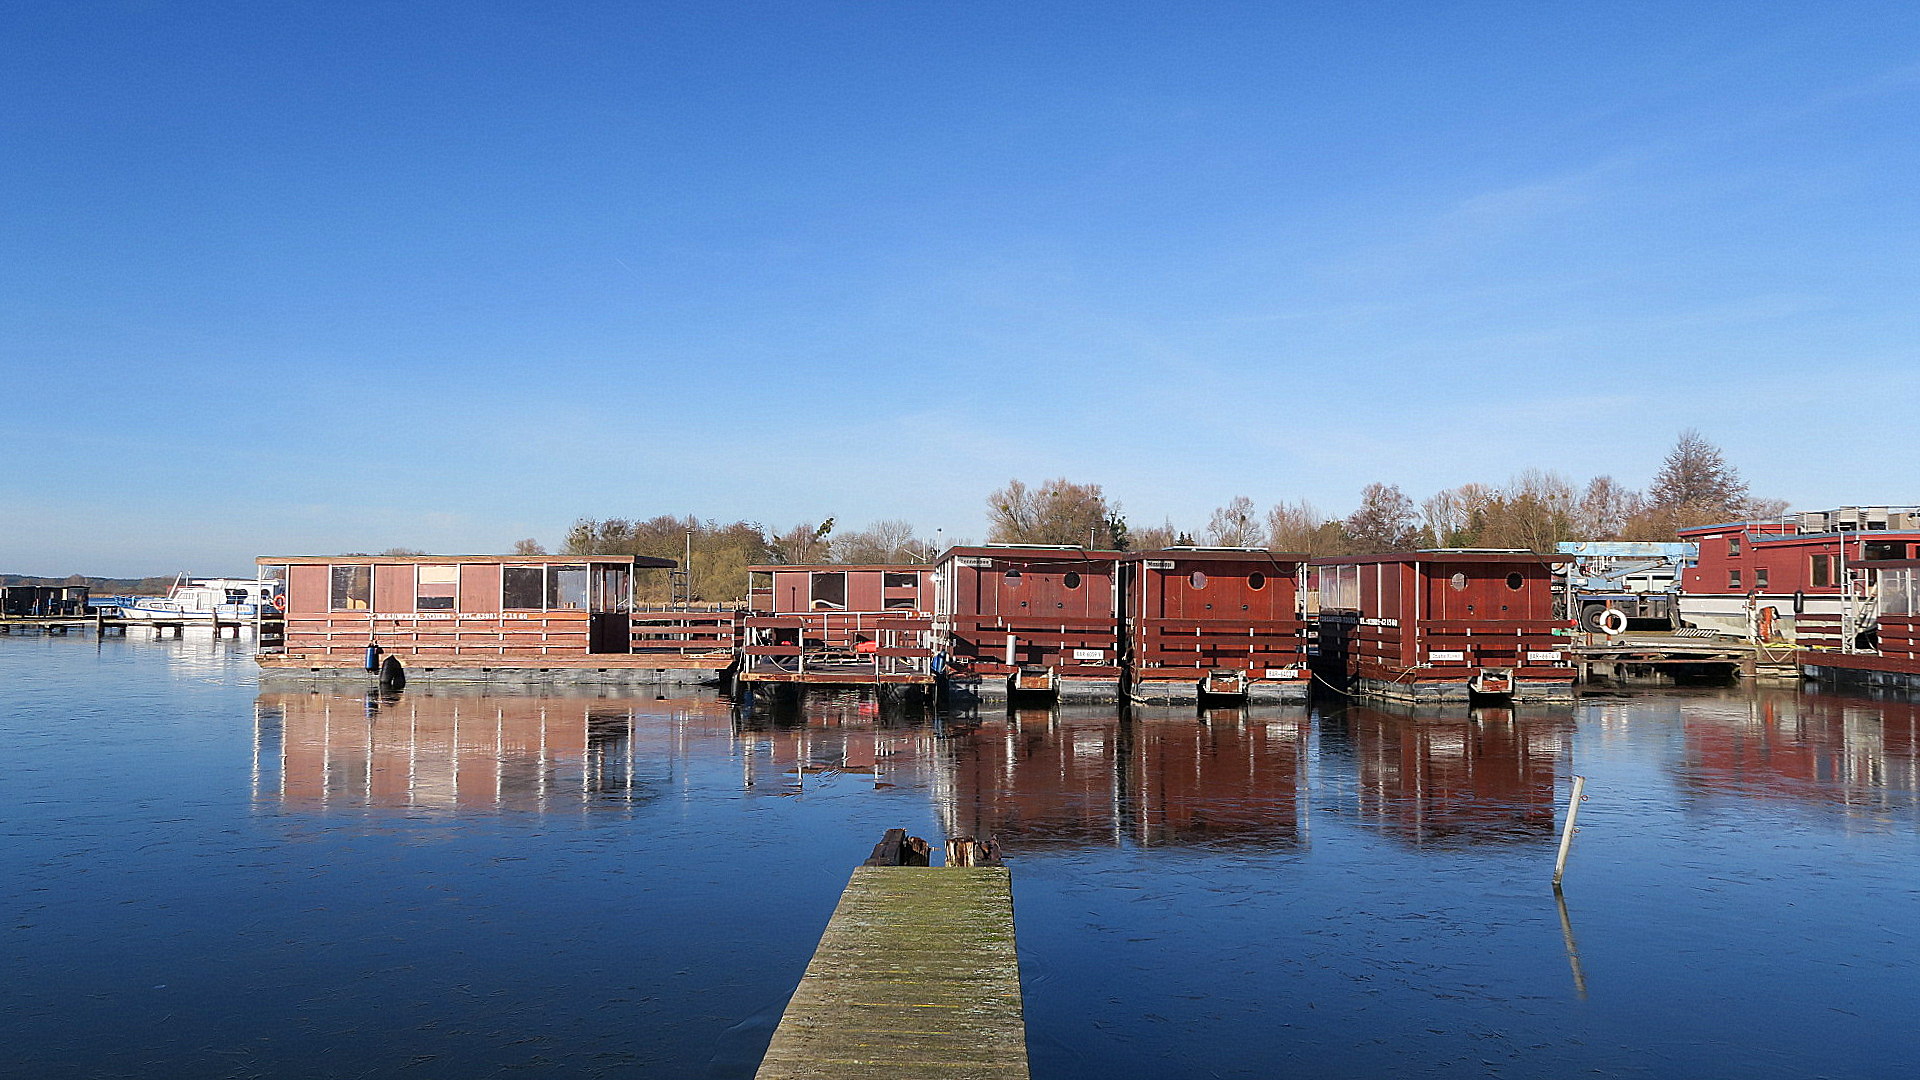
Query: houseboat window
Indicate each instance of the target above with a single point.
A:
(522, 588)
(1759, 577)
(1198, 580)
(1733, 545)
(829, 591)
(566, 588)
(1514, 581)
(1897, 592)
(1881, 549)
(1458, 582)
(434, 587)
(1822, 570)
(1071, 581)
(352, 588)
(899, 581)
(1256, 581)
(612, 589)
(1013, 579)
(1733, 579)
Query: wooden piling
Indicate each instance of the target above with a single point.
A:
(917, 975)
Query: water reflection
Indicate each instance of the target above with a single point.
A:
(1816, 749)
(1458, 777)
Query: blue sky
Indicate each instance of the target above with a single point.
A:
(314, 278)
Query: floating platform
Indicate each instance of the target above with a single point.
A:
(917, 975)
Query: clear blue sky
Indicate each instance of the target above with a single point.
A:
(287, 278)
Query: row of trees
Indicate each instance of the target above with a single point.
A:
(1534, 510)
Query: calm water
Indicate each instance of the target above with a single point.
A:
(203, 879)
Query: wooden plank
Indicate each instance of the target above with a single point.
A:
(917, 975)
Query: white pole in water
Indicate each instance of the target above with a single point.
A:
(1566, 832)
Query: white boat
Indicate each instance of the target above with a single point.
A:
(202, 600)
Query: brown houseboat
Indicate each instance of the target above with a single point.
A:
(1214, 622)
(1029, 621)
(838, 626)
(478, 618)
(1442, 626)
(1880, 644)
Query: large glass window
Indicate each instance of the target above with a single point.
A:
(1822, 567)
(435, 587)
(566, 588)
(523, 588)
(352, 588)
(829, 591)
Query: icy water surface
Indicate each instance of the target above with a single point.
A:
(204, 879)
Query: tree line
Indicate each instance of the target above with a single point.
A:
(1534, 510)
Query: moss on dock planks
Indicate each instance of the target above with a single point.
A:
(916, 976)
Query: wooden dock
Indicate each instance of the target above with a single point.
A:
(1671, 654)
(917, 975)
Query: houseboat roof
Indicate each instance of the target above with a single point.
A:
(1217, 554)
(1480, 555)
(639, 561)
(1034, 553)
(896, 568)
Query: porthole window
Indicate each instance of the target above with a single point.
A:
(1514, 581)
(1198, 580)
(1071, 581)
(1013, 579)
(1458, 582)
(1256, 581)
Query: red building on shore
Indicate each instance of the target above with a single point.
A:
(1792, 579)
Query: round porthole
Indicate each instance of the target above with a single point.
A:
(1458, 582)
(1198, 580)
(1071, 581)
(1013, 579)
(1256, 581)
(1514, 581)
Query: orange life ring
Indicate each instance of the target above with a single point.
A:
(280, 602)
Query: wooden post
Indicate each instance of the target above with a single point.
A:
(1567, 831)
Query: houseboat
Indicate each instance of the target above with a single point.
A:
(1790, 580)
(1026, 621)
(504, 619)
(1879, 642)
(839, 626)
(1219, 623)
(1442, 626)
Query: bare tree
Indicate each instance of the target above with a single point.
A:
(717, 570)
(803, 543)
(1384, 521)
(1057, 512)
(1236, 524)
(528, 546)
(1696, 486)
(886, 541)
(1153, 537)
(1604, 509)
(1299, 528)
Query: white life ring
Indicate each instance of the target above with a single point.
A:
(1613, 622)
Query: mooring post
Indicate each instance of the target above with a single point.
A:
(1566, 831)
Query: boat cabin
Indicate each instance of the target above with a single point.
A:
(1030, 620)
(1787, 580)
(1443, 626)
(1214, 622)
(459, 616)
(1882, 623)
(839, 625)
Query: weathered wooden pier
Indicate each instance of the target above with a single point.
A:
(917, 975)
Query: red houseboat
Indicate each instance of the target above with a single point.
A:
(1443, 626)
(1880, 638)
(1022, 620)
(1214, 622)
(466, 618)
(1791, 579)
(839, 626)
